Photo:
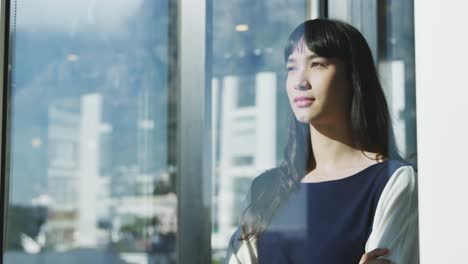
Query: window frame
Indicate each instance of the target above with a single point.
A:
(4, 80)
(194, 132)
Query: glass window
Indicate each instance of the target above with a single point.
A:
(397, 69)
(90, 177)
(93, 127)
(246, 91)
(249, 104)
(389, 28)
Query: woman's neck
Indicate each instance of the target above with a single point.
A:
(333, 148)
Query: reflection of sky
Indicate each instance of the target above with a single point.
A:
(75, 15)
(119, 65)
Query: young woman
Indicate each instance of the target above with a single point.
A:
(343, 193)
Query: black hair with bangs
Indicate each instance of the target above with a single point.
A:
(321, 37)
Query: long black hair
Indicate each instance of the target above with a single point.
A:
(368, 114)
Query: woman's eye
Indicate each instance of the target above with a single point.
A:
(315, 64)
(290, 68)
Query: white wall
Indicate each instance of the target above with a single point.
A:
(441, 43)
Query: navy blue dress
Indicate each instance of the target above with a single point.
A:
(326, 222)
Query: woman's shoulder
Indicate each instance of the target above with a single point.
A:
(397, 163)
(396, 167)
(402, 173)
(397, 176)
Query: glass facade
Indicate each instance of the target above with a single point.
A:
(250, 105)
(88, 163)
(389, 29)
(95, 144)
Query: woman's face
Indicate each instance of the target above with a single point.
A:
(317, 87)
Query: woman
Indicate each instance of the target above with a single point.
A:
(343, 193)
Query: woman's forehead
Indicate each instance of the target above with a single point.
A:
(301, 49)
(302, 54)
(301, 45)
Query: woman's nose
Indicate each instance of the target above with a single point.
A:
(302, 84)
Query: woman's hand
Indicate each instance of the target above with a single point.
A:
(371, 257)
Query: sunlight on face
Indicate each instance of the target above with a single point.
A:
(317, 87)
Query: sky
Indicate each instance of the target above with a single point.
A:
(74, 15)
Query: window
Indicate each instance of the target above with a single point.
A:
(138, 126)
(248, 105)
(90, 176)
(389, 28)
(246, 91)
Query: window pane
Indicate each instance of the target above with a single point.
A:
(90, 180)
(249, 102)
(395, 58)
(397, 69)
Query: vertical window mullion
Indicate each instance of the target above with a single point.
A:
(4, 43)
(194, 226)
(317, 9)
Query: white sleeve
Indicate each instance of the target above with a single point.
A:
(395, 223)
(241, 252)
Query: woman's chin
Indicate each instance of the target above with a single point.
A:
(304, 118)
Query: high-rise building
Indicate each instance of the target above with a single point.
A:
(77, 190)
(247, 144)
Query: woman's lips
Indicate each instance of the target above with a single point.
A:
(303, 101)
